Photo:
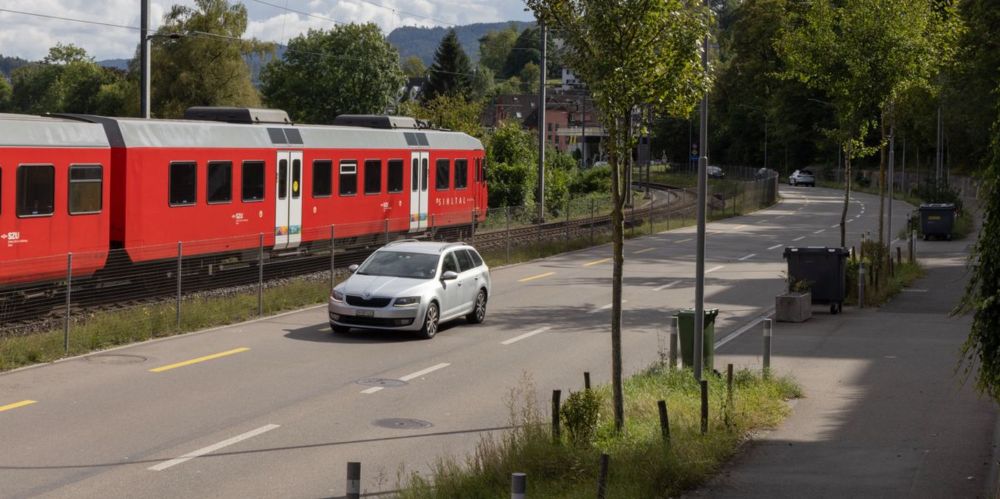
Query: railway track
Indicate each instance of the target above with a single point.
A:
(43, 307)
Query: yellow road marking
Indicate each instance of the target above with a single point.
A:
(644, 250)
(199, 359)
(15, 405)
(539, 276)
(596, 262)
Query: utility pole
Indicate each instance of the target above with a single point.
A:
(541, 125)
(583, 130)
(699, 287)
(892, 176)
(938, 156)
(144, 58)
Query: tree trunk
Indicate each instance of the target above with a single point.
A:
(847, 196)
(618, 185)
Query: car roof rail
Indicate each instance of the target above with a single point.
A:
(452, 245)
(402, 241)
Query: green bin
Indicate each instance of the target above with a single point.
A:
(685, 322)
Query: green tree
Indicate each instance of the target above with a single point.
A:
(495, 46)
(529, 77)
(528, 49)
(451, 72)
(5, 94)
(511, 156)
(359, 71)
(451, 112)
(982, 295)
(630, 53)
(413, 67)
(207, 66)
(66, 81)
(483, 83)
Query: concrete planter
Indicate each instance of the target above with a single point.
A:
(793, 307)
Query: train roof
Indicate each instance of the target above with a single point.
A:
(135, 132)
(21, 130)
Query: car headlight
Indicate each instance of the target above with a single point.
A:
(407, 301)
(338, 295)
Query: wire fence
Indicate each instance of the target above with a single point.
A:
(100, 298)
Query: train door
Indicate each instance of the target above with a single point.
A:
(288, 201)
(419, 163)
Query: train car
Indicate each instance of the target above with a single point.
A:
(54, 198)
(226, 179)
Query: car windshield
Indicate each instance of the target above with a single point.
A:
(401, 264)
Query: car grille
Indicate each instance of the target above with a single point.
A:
(358, 301)
(373, 321)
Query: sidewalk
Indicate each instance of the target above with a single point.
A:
(886, 413)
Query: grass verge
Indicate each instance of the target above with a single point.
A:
(875, 296)
(642, 464)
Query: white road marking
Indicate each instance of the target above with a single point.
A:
(738, 227)
(713, 269)
(596, 310)
(751, 255)
(819, 231)
(834, 226)
(429, 370)
(851, 220)
(212, 448)
(371, 390)
(526, 335)
(799, 238)
(667, 285)
(684, 240)
(639, 252)
(776, 246)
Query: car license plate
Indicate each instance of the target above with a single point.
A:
(365, 313)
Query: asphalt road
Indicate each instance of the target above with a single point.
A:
(274, 408)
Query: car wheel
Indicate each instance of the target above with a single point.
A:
(430, 322)
(478, 314)
(337, 329)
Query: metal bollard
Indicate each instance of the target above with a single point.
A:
(913, 246)
(673, 342)
(768, 331)
(353, 481)
(518, 485)
(586, 381)
(861, 285)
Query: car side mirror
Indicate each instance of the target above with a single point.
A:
(353, 268)
(449, 276)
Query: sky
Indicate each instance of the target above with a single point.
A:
(30, 37)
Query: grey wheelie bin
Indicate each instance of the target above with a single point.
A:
(685, 322)
(825, 269)
(937, 220)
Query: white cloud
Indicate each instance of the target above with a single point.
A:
(30, 37)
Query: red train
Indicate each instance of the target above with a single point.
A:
(221, 177)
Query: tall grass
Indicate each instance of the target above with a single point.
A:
(642, 464)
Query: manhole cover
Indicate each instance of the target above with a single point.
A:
(402, 423)
(381, 382)
(116, 359)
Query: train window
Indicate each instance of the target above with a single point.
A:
(296, 178)
(253, 181)
(415, 181)
(396, 175)
(183, 183)
(348, 178)
(479, 169)
(443, 177)
(36, 190)
(322, 178)
(283, 179)
(85, 189)
(461, 173)
(373, 176)
(423, 175)
(220, 182)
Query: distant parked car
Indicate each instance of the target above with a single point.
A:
(802, 177)
(715, 172)
(412, 286)
(765, 173)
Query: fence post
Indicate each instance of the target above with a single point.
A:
(333, 252)
(586, 380)
(602, 477)
(567, 216)
(386, 231)
(180, 259)
(518, 485)
(664, 421)
(704, 405)
(768, 332)
(591, 220)
(506, 211)
(556, 394)
(729, 391)
(260, 276)
(69, 299)
(652, 200)
(353, 480)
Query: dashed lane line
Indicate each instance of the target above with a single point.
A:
(596, 310)
(819, 231)
(539, 276)
(667, 285)
(212, 448)
(751, 255)
(408, 377)
(644, 250)
(799, 238)
(525, 335)
(713, 269)
(15, 405)
(684, 240)
(776, 246)
(199, 360)
(596, 262)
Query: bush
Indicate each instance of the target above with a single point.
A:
(939, 192)
(581, 414)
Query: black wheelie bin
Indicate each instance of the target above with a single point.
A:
(825, 269)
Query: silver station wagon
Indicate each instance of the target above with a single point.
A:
(412, 286)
